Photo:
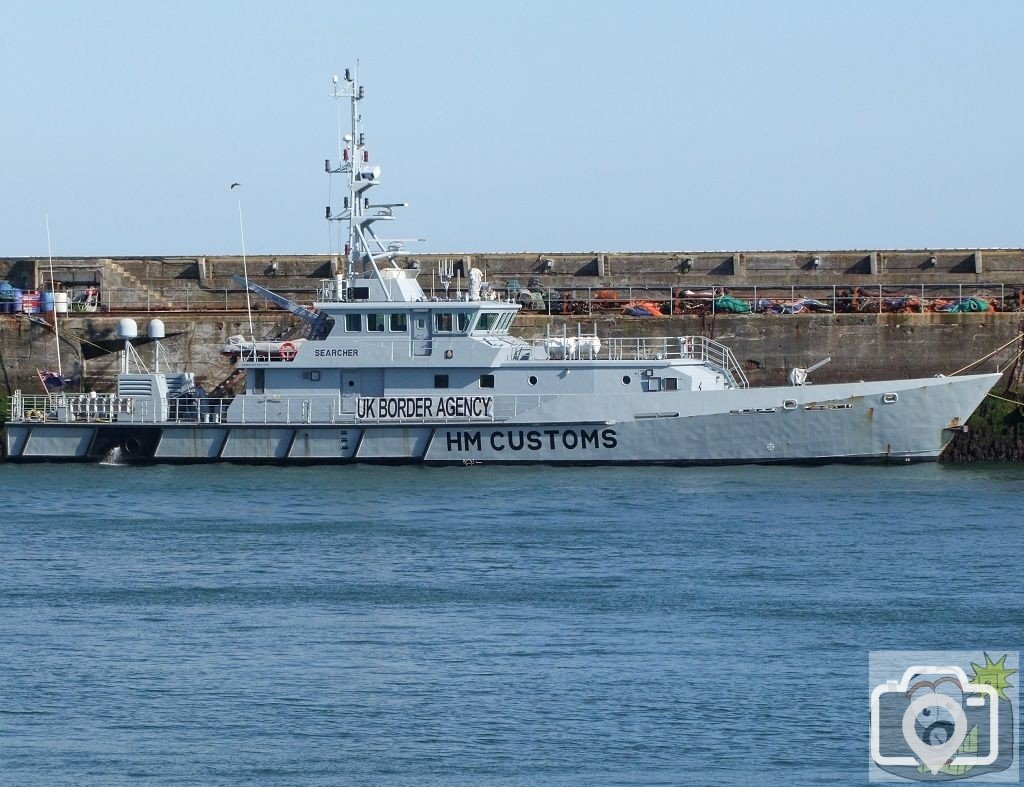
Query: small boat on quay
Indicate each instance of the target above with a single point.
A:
(385, 374)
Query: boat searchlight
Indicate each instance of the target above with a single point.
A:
(798, 375)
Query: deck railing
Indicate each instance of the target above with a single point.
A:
(267, 410)
(695, 348)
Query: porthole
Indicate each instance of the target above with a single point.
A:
(789, 404)
(626, 379)
(890, 398)
(533, 379)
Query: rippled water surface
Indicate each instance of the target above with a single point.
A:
(359, 625)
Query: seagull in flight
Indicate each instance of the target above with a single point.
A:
(234, 184)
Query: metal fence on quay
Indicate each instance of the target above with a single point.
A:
(669, 300)
(789, 299)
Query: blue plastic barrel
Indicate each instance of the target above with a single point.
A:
(18, 301)
(46, 301)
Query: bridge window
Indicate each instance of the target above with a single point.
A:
(462, 319)
(444, 322)
(353, 323)
(669, 384)
(440, 380)
(322, 328)
(486, 380)
(487, 321)
(375, 322)
(399, 323)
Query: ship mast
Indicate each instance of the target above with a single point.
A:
(363, 246)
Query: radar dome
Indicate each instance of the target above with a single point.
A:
(127, 329)
(156, 329)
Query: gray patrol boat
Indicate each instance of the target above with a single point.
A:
(386, 374)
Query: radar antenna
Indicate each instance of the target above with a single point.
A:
(446, 271)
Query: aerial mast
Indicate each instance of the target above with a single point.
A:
(349, 151)
(363, 245)
(357, 158)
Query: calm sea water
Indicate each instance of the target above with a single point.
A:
(359, 625)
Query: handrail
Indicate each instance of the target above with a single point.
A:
(269, 410)
(264, 409)
(672, 295)
(588, 347)
(861, 297)
(700, 349)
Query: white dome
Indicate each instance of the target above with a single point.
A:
(127, 329)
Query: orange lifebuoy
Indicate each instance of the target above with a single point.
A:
(287, 351)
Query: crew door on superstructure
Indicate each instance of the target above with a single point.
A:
(420, 332)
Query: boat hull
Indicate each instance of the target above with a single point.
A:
(889, 421)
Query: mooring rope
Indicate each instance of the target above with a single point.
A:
(1010, 362)
(987, 356)
(1004, 399)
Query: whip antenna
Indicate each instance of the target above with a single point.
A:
(56, 330)
(245, 270)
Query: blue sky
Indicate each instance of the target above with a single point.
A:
(527, 126)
